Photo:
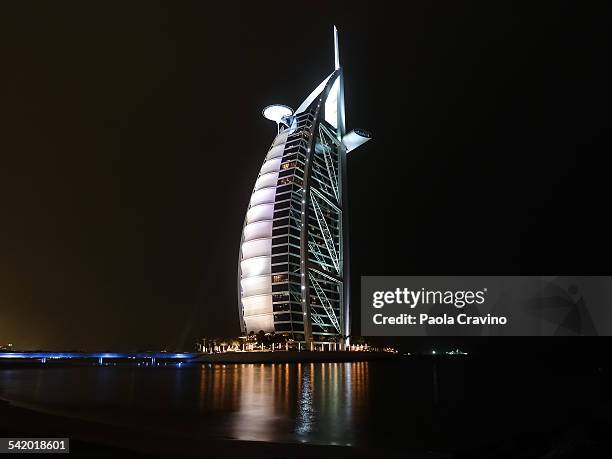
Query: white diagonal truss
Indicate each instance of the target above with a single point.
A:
(314, 248)
(327, 236)
(329, 164)
(329, 310)
(316, 318)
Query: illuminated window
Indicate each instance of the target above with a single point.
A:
(280, 297)
(279, 278)
(288, 165)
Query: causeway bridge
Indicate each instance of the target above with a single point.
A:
(99, 357)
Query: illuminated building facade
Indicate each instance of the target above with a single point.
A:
(293, 269)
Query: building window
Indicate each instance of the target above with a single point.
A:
(280, 268)
(280, 259)
(279, 278)
(282, 317)
(297, 317)
(282, 326)
(281, 213)
(279, 249)
(283, 189)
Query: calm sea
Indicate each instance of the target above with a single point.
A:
(421, 403)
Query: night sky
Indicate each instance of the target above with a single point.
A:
(131, 136)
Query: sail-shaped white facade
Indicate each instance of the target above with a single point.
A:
(293, 261)
(256, 245)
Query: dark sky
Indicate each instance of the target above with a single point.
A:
(131, 136)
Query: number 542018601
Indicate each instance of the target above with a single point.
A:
(34, 445)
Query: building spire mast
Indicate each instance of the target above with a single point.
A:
(336, 49)
(341, 123)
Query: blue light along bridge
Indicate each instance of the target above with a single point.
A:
(100, 357)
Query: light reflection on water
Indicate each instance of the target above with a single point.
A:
(303, 424)
(319, 403)
(416, 403)
(288, 402)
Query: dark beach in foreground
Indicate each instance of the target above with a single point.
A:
(97, 440)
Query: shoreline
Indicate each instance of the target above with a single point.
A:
(250, 357)
(294, 357)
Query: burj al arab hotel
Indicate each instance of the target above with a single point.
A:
(293, 267)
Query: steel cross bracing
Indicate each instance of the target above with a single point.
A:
(316, 318)
(327, 237)
(329, 164)
(314, 248)
(329, 310)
